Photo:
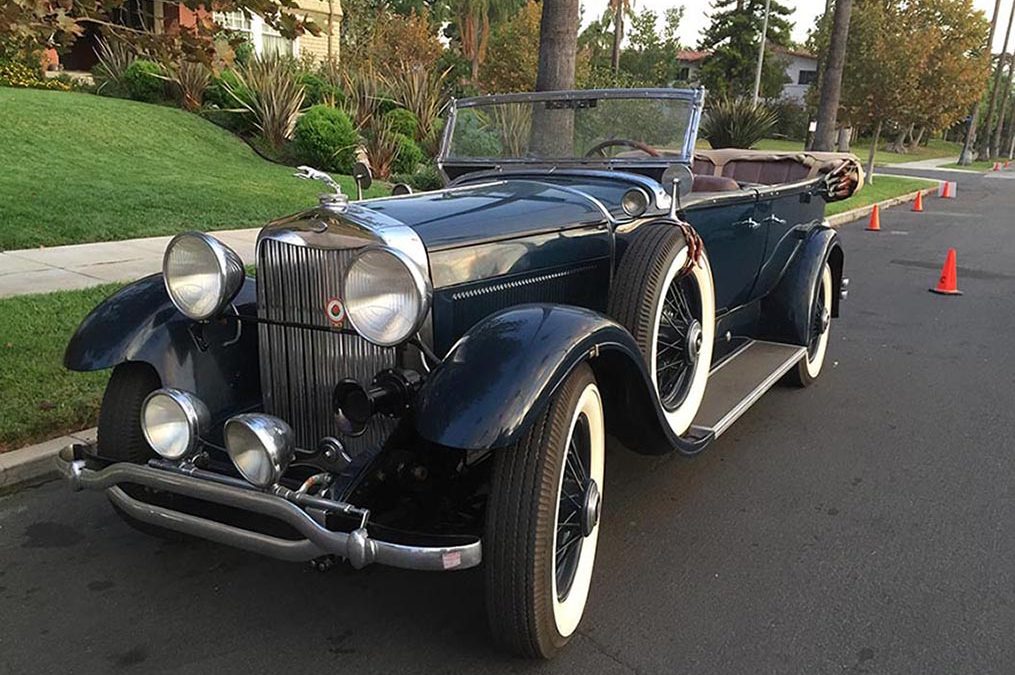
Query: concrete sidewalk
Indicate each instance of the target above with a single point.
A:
(936, 164)
(42, 270)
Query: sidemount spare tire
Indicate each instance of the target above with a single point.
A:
(669, 308)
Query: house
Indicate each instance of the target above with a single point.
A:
(163, 16)
(801, 70)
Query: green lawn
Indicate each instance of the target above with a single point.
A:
(40, 399)
(986, 165)
(884, 187)
(934, 149)
(77, 167)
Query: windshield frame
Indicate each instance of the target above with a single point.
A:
(694, 97)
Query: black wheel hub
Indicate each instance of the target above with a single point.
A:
(821, 318)
(591, 506)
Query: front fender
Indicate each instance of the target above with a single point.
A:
(500, 376)
(217, 361)
(786, 310)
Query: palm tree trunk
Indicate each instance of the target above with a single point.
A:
(831, 81)
(873, 151)
(985, 149)
(553, 130)
(1004, 103)
(966, 156)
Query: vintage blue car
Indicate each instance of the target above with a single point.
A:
(428, 380)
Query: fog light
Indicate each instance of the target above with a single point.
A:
(172, 422)
(261, 447)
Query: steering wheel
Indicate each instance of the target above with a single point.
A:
(624, 142)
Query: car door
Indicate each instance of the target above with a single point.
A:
(734, 238)
(785, 214)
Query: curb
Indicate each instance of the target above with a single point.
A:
(35, 463)
(862, 212)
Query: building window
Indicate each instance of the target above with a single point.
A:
(684, 74)
(264, 38)
(807, 76)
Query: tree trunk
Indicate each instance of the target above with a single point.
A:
(1004, 104)
(873, 151)
(985, 149)
(618, 35)
(966, 156)
(843, 141)
(918, 139)
(899, 144)
(553, 130)
(831, 81)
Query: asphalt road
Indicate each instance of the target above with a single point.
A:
(866, 525)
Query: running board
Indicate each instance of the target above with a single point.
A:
(739, 381)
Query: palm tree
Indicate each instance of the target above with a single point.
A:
(986, 152)
(966, 157)
(620, 9)
(473, 18)
(831, 80)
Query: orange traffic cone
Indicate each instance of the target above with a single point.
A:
(875, 222)
(948, 284)
(918, 203)
(945, 191)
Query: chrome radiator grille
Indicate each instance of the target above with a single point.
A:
(299, 366)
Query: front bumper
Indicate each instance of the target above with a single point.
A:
(295, 510)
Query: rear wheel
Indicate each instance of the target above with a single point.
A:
(809, 368)
(670, 313)
(543, 522)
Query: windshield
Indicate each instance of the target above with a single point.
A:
(592, 126)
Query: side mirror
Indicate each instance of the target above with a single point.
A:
(400, 189)
(361, 174)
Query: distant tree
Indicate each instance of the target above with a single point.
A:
(596, 40)
(472, 19)
(649, 55)
(619, 10)
(985, 150)
(733, 36)
(515, 42)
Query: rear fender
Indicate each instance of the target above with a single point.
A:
(501, 374)
(217, 360)
(785, 313)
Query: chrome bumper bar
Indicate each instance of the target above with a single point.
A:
(356, 546)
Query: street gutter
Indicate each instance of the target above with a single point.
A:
(35, 463)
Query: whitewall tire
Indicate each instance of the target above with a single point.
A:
(818, 328)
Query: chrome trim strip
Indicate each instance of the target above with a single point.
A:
(356, 546)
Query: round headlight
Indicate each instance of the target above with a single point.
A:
(634, 202)
(202, 274)
(386, 296)
(261, 447)
(172, 422)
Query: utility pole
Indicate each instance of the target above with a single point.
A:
(985, 149)
(761, 54)
(966, 156)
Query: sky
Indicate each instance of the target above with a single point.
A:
(696, 15)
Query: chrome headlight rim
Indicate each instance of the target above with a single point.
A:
(275, 447)
(228, 269)
(421, 286)
(195, 416)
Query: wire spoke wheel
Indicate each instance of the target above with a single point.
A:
(576, 489)
(678, 341)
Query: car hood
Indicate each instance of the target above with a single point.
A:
(498, 209)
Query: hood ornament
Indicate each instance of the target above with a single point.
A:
(336, 200)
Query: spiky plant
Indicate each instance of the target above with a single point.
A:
(190, 80)
(381, 146)
(363, 96)
(268, 88)
(736, 122)
(421, 91)
(114, 57)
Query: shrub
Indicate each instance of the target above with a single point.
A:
(325, 139)
(382, 146)
(223, 109)
(114, 57)
(14, 73)
(320, 91)
(268, 88)
(190, 81)
(403, 122)
(791, 119)
(142, 81)
(422, 92)
(409, 154)
(424, 178)
(736, 123)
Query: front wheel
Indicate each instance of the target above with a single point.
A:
(809, 368)
(542, 522)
